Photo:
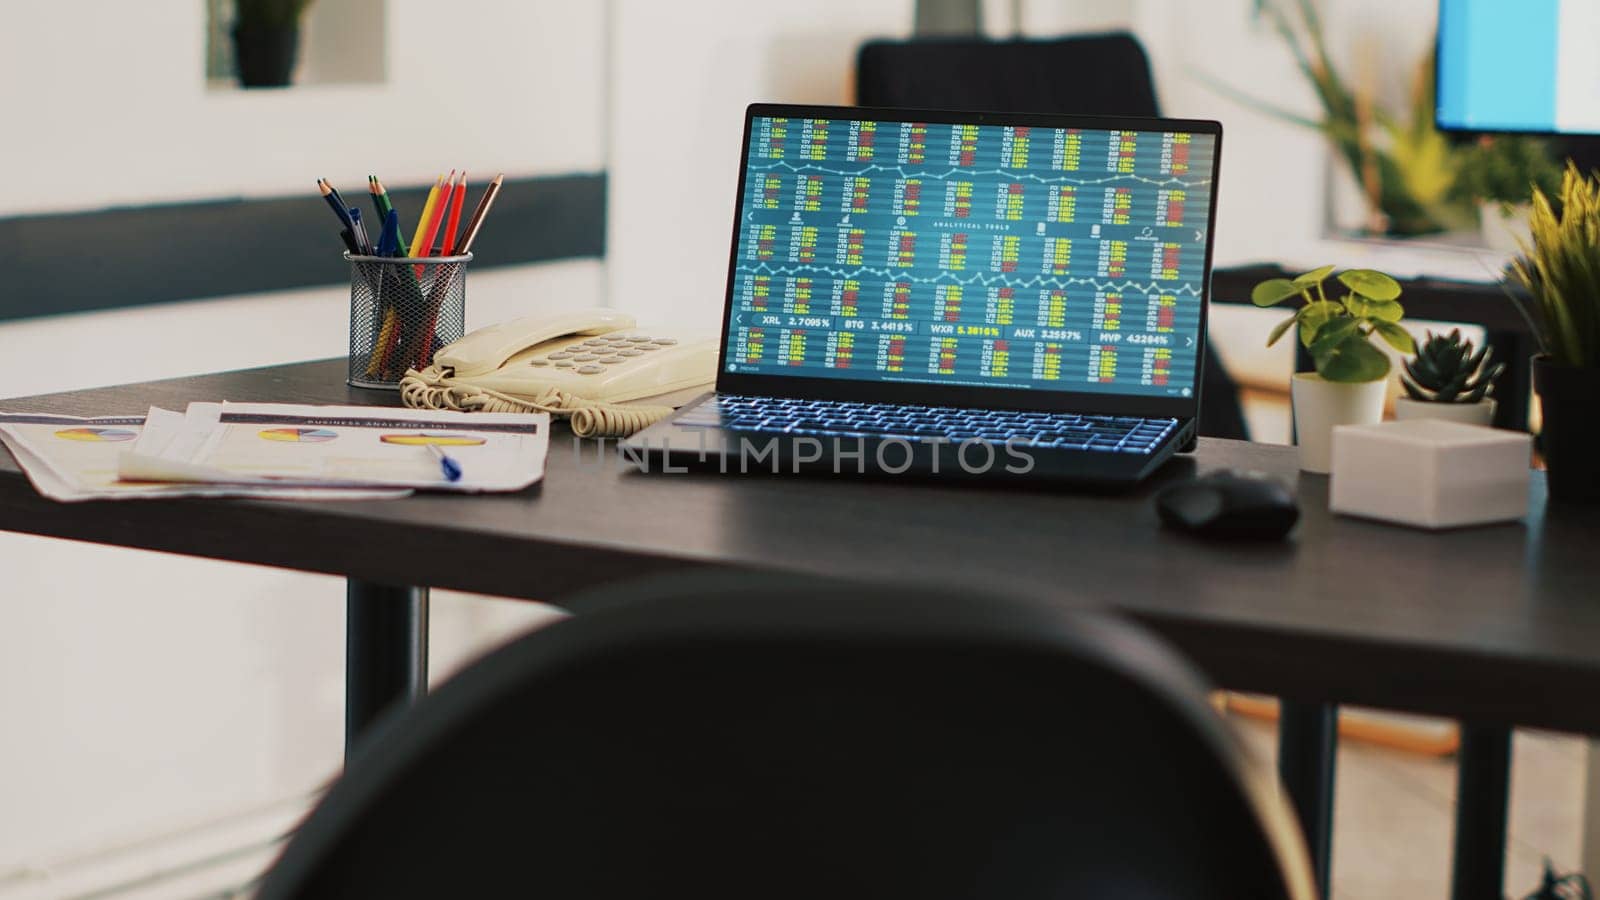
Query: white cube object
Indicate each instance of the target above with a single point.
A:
(1430, 473)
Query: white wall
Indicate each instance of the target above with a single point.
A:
(681, 76)
(106, 104)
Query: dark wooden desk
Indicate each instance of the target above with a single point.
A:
(1497, 626)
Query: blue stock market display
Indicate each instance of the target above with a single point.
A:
(978, 255)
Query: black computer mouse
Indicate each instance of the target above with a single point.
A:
(1229, 505)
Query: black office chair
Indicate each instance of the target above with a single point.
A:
(1095, 75)
(760, 737)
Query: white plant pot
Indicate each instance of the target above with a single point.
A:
(1480, 413)
(1501, 227)
(1320, 405)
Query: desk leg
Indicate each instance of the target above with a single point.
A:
(386, 652)
(1308, 741)
(1483, 790)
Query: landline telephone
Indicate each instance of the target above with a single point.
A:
(593, 365)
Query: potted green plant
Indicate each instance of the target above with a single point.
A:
(1403, 166)
(266, 37)
(1447, 379)
(1351, 378)
(1498, 175)
(1560, 268)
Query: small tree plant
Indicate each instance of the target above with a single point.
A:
(1338, 332)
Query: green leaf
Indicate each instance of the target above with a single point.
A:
(1273, 291)
(1333, 333)
(1313, 316)
(1385, 310)
(1370, 283)
(1315, 276)
(1353, 359)
(1397, 337)
(1280, 329)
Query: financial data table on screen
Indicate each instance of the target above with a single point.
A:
(979, 255)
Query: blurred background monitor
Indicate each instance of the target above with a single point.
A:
(1528, 66)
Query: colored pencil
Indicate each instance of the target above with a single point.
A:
(380, 196)
(333, 199)
(425, 248)
(428, 206)
(486, 201)
(457, 200)
(379, 202)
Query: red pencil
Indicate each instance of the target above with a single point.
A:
(457, 200)
(446, 246)
(430, 227)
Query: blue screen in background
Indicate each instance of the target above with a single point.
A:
(990, 256)
(1526, 65)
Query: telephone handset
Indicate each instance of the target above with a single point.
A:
(586, 364)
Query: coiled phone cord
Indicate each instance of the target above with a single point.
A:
(431, 389)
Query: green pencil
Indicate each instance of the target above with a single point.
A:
(380, 199)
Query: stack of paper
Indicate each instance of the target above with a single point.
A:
(277, 450)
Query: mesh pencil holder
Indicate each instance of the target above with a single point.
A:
(402, 309)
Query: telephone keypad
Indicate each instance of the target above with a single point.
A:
(630, 352)
(541, 361)
(591, 369)
(564, 363)
(561, 355)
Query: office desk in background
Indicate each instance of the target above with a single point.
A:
(1496, 626)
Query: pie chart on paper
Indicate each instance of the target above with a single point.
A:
(299, 435)
(422, 439)
(93, 435)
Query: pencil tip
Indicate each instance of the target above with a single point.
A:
(499, 178)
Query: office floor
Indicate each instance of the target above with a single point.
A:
(1393, 824)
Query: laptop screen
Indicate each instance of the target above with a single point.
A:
(972, 255)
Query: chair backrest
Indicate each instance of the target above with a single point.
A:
(1103, 74)
(758, 737)
(1090, 75)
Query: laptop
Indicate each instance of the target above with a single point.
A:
(958, 294)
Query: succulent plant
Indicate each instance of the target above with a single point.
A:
(1446, 370)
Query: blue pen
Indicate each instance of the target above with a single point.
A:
(389, 237)
(360, 231)
(450, 468)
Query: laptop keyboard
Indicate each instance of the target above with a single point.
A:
(839, 418)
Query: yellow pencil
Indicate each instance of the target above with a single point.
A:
(427, 213)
